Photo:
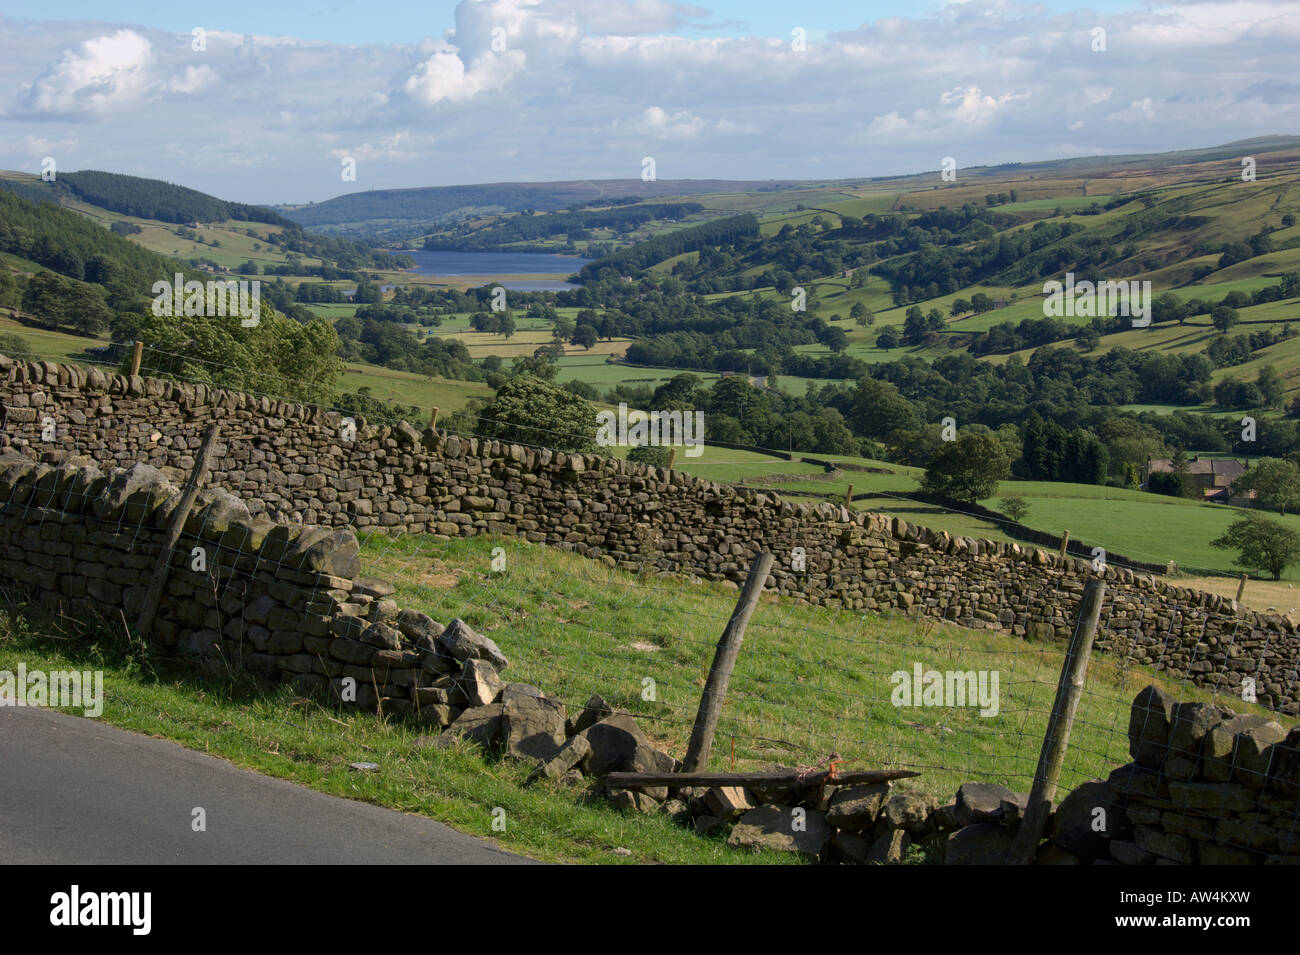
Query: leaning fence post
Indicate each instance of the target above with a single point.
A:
(724, 660)
(1068, 690)
(433, 419)
(1065, 543)
(136, 354)
(162, 565)
(1241, 587)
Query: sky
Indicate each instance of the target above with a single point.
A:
(268, 102)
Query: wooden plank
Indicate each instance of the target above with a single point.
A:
(1068, 690)
(162, 566)
(790, 778)
(724, 661)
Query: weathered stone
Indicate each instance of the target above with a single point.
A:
(1129, 853)
(629, 800)
(984, 843)
(727, 801)
(482, 724)
(1163, 845)
(979, 802)
(461, 642)
(907, 811)
(1188, 725)
(857, 806)
(570, 754)
(1148, 726)
(595, 711)
(532, 727)
(783, 829)
(1081, 812)
(618, 745)
(419, 628)
(479, 682)
(1253, 753)
(1219, 745)
(851, 847)
(890, 848)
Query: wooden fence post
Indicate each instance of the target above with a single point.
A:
(1065, 543)
(724, 660)
(672, 458)
(162, 566)
(1025, 846)
(848, 497)
(433, 421)
(136, 354)
(1241, 587)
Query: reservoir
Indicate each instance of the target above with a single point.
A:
(490, 264)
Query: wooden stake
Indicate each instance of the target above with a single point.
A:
(1241, 587)
(848, 497)
(1065, 543)
(162, 566)
(724, 660)
(1052, 756)
(433, 422)
(136, 354)
(672, 458)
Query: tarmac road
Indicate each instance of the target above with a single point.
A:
(76, 791)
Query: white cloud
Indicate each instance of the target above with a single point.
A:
(583, 88)
(101, 74)
(443, 76)
(193, 79)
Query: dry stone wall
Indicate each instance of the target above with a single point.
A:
(301, 463)
(281, 600)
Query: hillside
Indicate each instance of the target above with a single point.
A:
(407, 212)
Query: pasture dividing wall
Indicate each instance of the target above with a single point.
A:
(298, 463)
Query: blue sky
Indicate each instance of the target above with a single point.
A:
(279, 97)
(349, 21)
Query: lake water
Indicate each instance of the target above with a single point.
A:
(501, 263)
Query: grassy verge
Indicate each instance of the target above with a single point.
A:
(811, 681)
(274, 732)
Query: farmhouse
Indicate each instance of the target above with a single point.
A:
(1212, 478)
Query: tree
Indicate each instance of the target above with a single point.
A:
(1014, 507)
(279, 356)
(528, 410)
(1275, 481)
(1224, 317)
(13, 346)
(914, 325)
(584, 335)
(878, 409)
(981, 303)
(1261, 544)
(888, 338)
(1270, 386)
(959, 307)
(969, 468)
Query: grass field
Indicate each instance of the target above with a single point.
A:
(574, 627)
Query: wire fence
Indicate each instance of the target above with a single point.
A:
(941, 692)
